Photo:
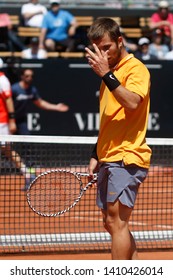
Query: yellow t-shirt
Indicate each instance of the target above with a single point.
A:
(122, 133)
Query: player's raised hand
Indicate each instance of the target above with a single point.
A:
(98, 60)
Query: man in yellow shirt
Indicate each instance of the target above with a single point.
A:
(121, 152)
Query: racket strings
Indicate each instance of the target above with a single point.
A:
(54, 192)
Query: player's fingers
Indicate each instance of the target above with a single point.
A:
(90, 60)
(97, 51)
(90, 54)
(104, 54)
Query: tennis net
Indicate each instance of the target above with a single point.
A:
(81, 229)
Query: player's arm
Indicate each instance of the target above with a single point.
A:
(45, 105)
(93, 163)
(11, 114)
(7, 97)
(128, 99)
(99, 63)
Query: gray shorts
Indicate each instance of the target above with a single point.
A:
(119, 181)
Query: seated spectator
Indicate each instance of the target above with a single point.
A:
(169, 55)
(58, 29)
(163, 19)
(131, 47)
(32, 13)
(33, 52)
(9, 38)
(143, 50)
(156, 47)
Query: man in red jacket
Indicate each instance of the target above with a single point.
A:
(8, 126)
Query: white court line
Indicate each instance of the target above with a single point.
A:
(154, 226)
(132, 223)
(164, 226)
(78, 238)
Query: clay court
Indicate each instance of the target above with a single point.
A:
(158, 255)
(26, 222)
(79, 234)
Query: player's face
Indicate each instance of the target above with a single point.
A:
(27, 76)
(113, 49)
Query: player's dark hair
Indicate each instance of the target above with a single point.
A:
(103, 25)
(23, 70)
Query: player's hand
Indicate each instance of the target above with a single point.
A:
(12, 126)
(98, 60)
(92, 168)
(61, 107)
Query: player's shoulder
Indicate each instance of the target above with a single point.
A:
(138, 62)
(3, 77)
(136, 65)
(2, 74)
(15, 86)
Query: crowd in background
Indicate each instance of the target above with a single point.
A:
(119, 4)
(59, 32)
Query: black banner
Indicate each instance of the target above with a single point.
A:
(73, 82)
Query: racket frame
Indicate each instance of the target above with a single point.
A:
(78, 175)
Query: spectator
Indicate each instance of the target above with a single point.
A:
(129, 44)
(33, 52)
(156, 47)
(163, 19)
(23, 92)
(143, 50)
(32, 13)
(12, 41)
(58, 29)
(8, 126)
(169, 55)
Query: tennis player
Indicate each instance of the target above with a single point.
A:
(121, 152)
(24, 92)
(8, 126)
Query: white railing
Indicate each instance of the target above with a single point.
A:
(142, 4)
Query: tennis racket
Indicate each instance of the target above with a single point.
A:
(55, 192)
